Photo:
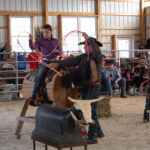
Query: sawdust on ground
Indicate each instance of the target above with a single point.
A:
(124, 130)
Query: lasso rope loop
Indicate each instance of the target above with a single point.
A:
(141, 89)
(71, 32)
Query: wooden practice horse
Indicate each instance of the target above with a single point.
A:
(51, 88)
(55, 91)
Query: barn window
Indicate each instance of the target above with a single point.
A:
(20, 28)
(125, 46)
(84, 24)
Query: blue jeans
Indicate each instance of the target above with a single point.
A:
(41, 73)
(121, 83)
(147, 105)
(93, 92)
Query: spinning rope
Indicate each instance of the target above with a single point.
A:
(142, 87)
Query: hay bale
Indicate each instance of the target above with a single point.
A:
(104, 108)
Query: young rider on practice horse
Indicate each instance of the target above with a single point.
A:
(50, 48)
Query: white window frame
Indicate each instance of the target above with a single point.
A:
(131, 46)
(80, 38)
(24, 33)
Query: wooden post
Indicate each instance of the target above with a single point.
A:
(46, 11)
(8, 36)
(33, 27)
(143, 36)
(97, 5)
(60, 30)
(114, 45)
(22, 118)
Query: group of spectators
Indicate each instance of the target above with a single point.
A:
(133, 73)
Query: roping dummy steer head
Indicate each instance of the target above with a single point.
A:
(85, 107)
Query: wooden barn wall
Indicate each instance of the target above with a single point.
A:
(147, 18)
(72, 6)
(111, 23)
(21, 5)
(118, 17)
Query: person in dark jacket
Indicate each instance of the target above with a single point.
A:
(87, 78)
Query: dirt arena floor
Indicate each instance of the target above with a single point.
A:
(123, 131)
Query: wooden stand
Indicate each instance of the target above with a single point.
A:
(22, 118)
(53, 89)
(59, 147)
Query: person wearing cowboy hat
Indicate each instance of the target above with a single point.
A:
(87, 77)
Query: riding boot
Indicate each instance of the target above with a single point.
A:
(32, 100)
(45, 97)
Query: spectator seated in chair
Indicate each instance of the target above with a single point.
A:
(113, 79)
(140, 70)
